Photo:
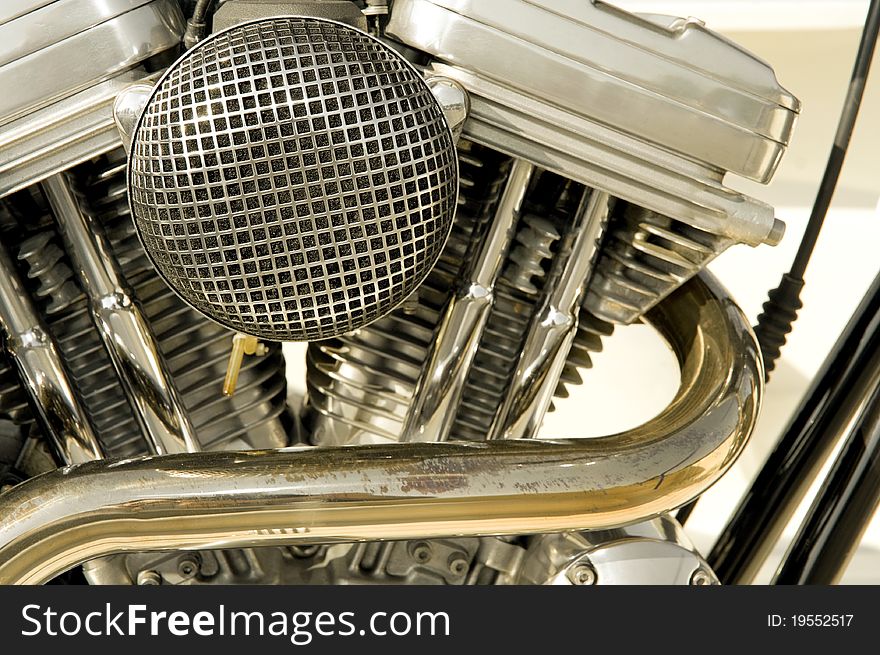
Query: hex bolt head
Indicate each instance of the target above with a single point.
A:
(421, 552)
(582, 574)
(700, 578)
(188, 566)
(458, 564)
(149, 578)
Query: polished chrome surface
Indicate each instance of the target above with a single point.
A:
(553, 326)
(655, 552)
(453, 100)
(62, 75)
(293, 178)
(35, 355)
(194, 348)
(707, 99)
(236, 12)
(645, 257)
(516, 295)
(64, 134)
(55, 21)
(12, 9)
(441, 381)
(361, 384)
(246, 499)
(602, 158)
(127, 109)
(69, 64)
(126, 334)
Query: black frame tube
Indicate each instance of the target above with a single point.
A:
(848, 377)
(841, 511)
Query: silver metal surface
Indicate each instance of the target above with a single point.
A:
(655, 552)
(126, 334)
(35, 354)
(67, 63)
(55, 21)
(194, 348)
(236, 12)
(127, 109)
(487, 560)
(12, 9)
(601, 158)
(62, 75)
(298, 496)
(553, 326)
(293, 178)
(517, 294)
(441, 381)
(706, 98)
(361, 385)
(645, 257)
(61, 135)
(453, 100)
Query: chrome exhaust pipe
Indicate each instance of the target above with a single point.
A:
(215, 500)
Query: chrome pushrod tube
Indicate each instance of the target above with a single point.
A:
(402, 491)
(553, 326)
(451, 354)
(35, 355)
(127, 336)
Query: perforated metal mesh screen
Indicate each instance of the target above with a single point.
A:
(293, 178)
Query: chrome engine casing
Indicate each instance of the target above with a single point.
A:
(606, 216)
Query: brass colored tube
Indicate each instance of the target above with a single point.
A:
(410, 490)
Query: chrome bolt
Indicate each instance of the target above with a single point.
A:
(188, 566)
(582, 574)
(421, 552)
(458, 564)
(149, 578)
(700, 578)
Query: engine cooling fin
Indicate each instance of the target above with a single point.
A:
(195, 348)
(645, 256)
(360, 385)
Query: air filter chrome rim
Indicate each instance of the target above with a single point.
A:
(394, 229)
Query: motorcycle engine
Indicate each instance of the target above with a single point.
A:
(453, 202)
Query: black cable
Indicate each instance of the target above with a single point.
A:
(783, 304)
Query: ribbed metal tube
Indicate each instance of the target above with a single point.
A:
(127, 336)
(441, 381)
(35, 354)
(552, 328)
(402, 491)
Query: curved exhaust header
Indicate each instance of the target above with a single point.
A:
(413, 490)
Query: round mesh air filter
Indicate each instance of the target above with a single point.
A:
(293, 178)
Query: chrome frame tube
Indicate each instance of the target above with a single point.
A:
(401, 491)
(126, 334)
(45, 379)
(451, 354)
(552, 327)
